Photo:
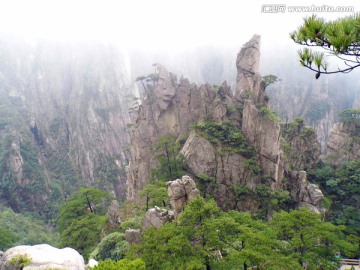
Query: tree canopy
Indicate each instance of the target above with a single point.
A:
(81, 219)
(270, 79)
(340, 38)
(204, 237)
(169, 158)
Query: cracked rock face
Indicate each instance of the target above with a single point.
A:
(344, 143)
(114, 220)
(156, 217)
(264, 135)
(306, 194)
(249, 83)
(202, 157)
(181, 191)
(164, 112)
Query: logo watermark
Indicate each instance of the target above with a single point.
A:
(282, 8)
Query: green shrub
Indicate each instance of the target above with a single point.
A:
(341, 186)
(269, 114)
(20, 260)
(227, 135)
(124, 264)
(21, 228)
(131, 223)
(155, 195)
(113, 247)
(171, 161)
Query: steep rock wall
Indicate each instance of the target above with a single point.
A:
(64, 110)
(168, 108)
(228, 169)
(265, 134)
(344, 143)
(262, 133)
(249, 83)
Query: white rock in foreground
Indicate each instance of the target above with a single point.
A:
(44, 257)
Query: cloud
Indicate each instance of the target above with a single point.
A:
(153, 24)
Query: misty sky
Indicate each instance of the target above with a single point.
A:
(161, 24)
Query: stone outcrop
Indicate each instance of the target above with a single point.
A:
(202, 157)
(113, 215)
(249, 83)
(133, 236)
(172, 114)
(264, 135)
(306, 194)
(44, 257)
(262, 132)
(344, 143)
(156, 217)
(300, 145)
(181, 191)
(170, 107)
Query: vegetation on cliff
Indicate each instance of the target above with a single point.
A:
(170, 161)
(226, 135)
(350, 116)
(203, 236)
(341, 186)
(22, 228)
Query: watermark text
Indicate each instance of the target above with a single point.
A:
(282, 8)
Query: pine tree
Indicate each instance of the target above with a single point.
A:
(339, 38)
(169, 158)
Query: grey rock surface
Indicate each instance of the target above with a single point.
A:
(132, 236)
(113, 214)
(181, 191)
(156, 217)
(306, 194)
(344, 143)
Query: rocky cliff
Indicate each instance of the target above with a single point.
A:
(344, 143)
(232, 142)
(169, 107)
(249, 83)
(64, 110)
(64, 123)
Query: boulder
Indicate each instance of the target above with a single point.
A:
(306, 194)
(156, 217)
(92, 263)
(132, 236)
(44, 257)
(180, 192)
